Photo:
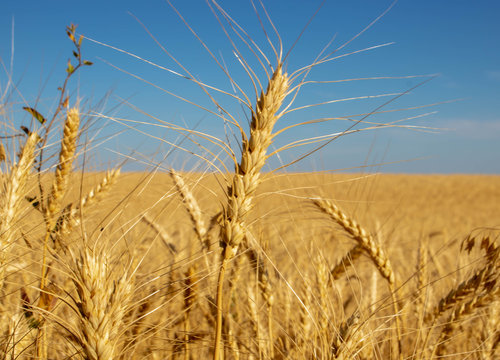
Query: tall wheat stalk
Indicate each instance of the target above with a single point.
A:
(246, 179)
(53, 207)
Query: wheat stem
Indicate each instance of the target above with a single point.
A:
(246, 179)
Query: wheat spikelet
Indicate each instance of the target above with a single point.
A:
(102, 298)
(11, 197)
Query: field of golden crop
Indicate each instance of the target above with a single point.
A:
(240, 263)
(286, 306)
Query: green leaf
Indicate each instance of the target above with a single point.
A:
(75, 54)
(35, 114)
(70, 70)
(88, 63)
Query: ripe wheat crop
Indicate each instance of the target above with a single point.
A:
(238, 262)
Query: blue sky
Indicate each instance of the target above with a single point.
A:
(456, 39)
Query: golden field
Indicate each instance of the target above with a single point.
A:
(169, 311)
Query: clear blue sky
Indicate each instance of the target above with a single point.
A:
(457, 39)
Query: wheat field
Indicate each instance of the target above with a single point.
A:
(238, 262)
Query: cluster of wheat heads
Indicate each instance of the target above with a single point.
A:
(79, 281)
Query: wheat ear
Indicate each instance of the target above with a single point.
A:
(101, 303)
(192, 207)
(470, 286)
(64, 166)
(372, 248)
(11, 197)
(246, 179)
(461, 311)
(70, 217)
(162, 233)
(363, 238)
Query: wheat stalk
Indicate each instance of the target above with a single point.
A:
(246, 179)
